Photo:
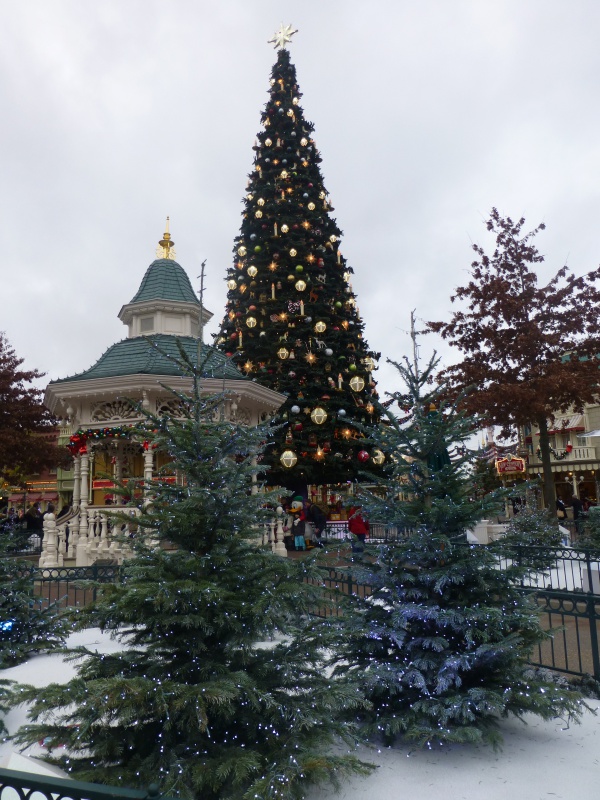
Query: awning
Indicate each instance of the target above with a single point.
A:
(590, 433)
(576, 466)
(573, 423)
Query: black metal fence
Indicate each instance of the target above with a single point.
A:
(67, 587)
(566, 589)
(567, 593)
(25, 786)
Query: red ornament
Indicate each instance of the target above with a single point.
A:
(363, 456)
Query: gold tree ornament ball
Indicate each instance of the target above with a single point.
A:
(284, 173)
(311, 206)
(333, 238)
(378, 457)
(318, 415)
(282, 353)
(250, 197)
(288, 458)
(369, 363)
(268, 142)
(322, 195)
(252, 271)
(300, 286)
(284, 228)
(242, 251)
(304, 141)
(290, 113)
(231, 284)
(320, 327)
(258, 214)
(293, 253)
(294, 101)
(251, 322)
(357, 384)
(260, 201)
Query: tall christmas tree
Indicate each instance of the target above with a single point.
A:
(291, 318)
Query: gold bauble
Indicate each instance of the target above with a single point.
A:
(282, 353)
(288, 458)
(294, 101)
(251, 322)
(290, 113)
(252, 271)
(318, 415)
(268, 142)
(311, 206)
(260, 201)
(303, 141)
(258, 214)
(377, 457)
(333, 238)
(242, 251)
(284, 228)
(320, 327)
(249, 197)
(293, 253)
(322, 195)
(284, 173)
(300, 286)
(369, 363)
(231, 284)
(357, 384)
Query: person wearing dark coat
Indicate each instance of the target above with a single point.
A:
(318, 518)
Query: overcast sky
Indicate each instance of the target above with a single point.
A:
(427, 114)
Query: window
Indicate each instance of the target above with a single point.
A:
(146, 324)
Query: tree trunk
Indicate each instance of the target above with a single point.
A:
(549, 488)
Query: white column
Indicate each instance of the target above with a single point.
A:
(76, 481)
(82, 541)
(51, 556)
(279, 545)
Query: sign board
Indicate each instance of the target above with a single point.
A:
(510, 466)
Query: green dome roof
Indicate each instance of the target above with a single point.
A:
(165, 279)
(156, 355)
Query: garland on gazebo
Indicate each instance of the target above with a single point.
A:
(78, 441)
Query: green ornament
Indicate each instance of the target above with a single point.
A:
(299, 268)
(258, 248)
(338, 304)
(352, 367)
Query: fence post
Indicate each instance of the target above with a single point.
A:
(591, 612)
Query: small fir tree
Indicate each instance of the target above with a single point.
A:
(291, 319)
(28, 625)
(441, 645)
(219, 691)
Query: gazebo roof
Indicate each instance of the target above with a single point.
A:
(165, 279)
(156, 355)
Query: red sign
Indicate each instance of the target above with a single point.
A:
(509, 466)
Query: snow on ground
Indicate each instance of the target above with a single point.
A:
(539, 761)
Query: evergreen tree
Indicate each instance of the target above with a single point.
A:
(196, 700)
(27, 625)
(441, 645)
(291, 319)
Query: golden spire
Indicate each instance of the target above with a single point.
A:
(166, 248)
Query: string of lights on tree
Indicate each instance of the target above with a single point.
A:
(291, 320)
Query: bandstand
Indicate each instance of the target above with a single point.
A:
(101, 410)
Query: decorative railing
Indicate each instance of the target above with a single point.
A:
(25, 786)
(564, 456)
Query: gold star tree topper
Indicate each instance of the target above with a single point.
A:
(282, 36)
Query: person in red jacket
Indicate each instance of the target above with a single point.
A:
(357, 524)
